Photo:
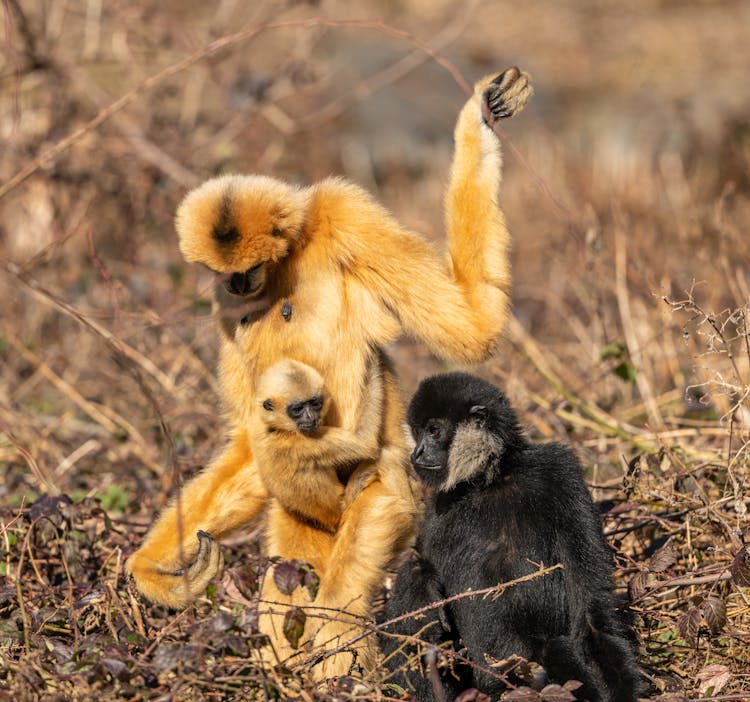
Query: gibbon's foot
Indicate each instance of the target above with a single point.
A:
(207, 563)
(177, 588)
(506, 95)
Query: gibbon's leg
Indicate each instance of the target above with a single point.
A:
(226, 496)
(374, 529)
(288, 538)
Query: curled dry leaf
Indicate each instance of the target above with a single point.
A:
(713, 679)
(714, 613)
(665, 557)
(689, 624)
(557, 693)
(472, 695)
(287, 577)
(523, 694)
(638, 585)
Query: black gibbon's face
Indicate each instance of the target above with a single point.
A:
(462, 426)
(430, 456)
(306, 414)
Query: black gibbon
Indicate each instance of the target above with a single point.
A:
(305, 465)
(498, 506)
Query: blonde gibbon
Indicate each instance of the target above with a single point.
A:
(304, 463)
(326, 275)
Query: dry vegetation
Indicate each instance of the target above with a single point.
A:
(628, 193)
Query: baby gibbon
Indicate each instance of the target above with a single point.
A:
(304, 463)
(326, 275)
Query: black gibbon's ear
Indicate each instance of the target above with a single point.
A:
(268, 405)
(479, 414)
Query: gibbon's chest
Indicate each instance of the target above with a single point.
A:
(320, 315)
(480, 539)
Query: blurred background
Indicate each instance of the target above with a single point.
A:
(626, 189)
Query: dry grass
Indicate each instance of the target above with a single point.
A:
(628, 193)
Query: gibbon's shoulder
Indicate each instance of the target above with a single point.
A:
(552, 471)
(345, 204)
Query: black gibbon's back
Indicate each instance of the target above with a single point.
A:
(498, 507)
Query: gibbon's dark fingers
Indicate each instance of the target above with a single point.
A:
(507, 95)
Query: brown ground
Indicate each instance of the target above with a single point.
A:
(627, 189)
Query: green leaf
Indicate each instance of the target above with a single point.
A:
(626, 371)
(614, 350)
(294, 625)
(114, 499)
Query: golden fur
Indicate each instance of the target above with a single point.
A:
(330, 277)
(306, 474)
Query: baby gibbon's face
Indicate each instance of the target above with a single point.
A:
(292, 397)
(238, 225)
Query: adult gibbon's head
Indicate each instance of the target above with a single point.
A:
(292, 397)
(462, 426)
(240, 225)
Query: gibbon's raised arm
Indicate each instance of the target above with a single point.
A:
(457, 306)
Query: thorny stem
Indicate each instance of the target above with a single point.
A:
(494, 591)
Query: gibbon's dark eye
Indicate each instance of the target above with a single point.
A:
(226, 235)
(277, 232)
(268, 405)
(295, 410)
(316, 403)
(434, 431)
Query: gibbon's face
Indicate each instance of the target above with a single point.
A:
(305, 414)
(293, 397)
(461, 425)
(240, 226)
(430, 455)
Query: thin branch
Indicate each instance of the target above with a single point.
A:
(203, 53)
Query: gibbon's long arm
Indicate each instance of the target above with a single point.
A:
(457, 308)
(334, 447)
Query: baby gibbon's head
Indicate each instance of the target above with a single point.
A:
(292, 397)
(239, 224)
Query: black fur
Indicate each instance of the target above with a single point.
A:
(525, 504)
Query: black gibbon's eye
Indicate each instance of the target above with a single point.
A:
(434, 431)
(316, 403)
(268, 405)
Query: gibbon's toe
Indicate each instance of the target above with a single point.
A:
(507, 94)
(207, 564)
